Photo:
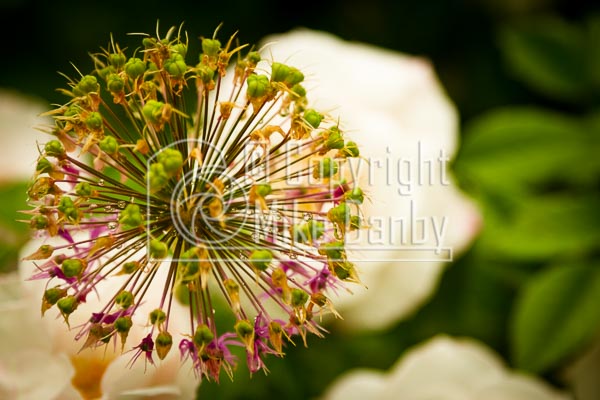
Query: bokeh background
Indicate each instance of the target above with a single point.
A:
(525, 78)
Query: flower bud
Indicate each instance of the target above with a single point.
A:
(349, 150)
(339, 214)
(51, 297)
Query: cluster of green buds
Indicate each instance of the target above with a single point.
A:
(206, 180)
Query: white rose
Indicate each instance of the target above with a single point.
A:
(393, 106)
(19, 115)
(443, 368)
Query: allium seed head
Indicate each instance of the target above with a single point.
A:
(220, 177)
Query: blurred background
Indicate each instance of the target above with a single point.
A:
(525, 78)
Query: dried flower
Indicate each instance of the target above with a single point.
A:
(222, 177)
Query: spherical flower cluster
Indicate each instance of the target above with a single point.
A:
(220, 180)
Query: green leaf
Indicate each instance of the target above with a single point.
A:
(547, 54)
(518, 150)
(13, 234)
(543, 228)
(555, 316)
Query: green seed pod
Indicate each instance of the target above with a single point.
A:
(355, 196)
(72, 267)
(308, 231)
(83, 189)
(299, 297)
(211, 47)
(175, 66)
(39, 222)
(202, 336)
(157, 316)
(157, 178)
(163, 343)
(105, 72)
(131, 217)
(115, 83)
(124, 299)
(94, 121)
(44, 166)
(341, 271)
(88, 84)
(153, 110)
(354, 222)
(53, 295)
(257, 86)
(171, 160)
(130, 267)
(350, 150)
(253, 57)
(294, 77)
(109, 145)
(205, 74)
(279, 72)
(65, 203)
(67, 305)
(117, 60)
(334, 139)
(313, 118)
(158, 249)
(41, 187)
(299, 90)
(54, 148)
(123, 324)
(325, 168)
(333, 250)
(339, 214)
(179, 48)
(135, 67)
(263, 189)
(149, 42)
(245, 332)
(260, 259)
